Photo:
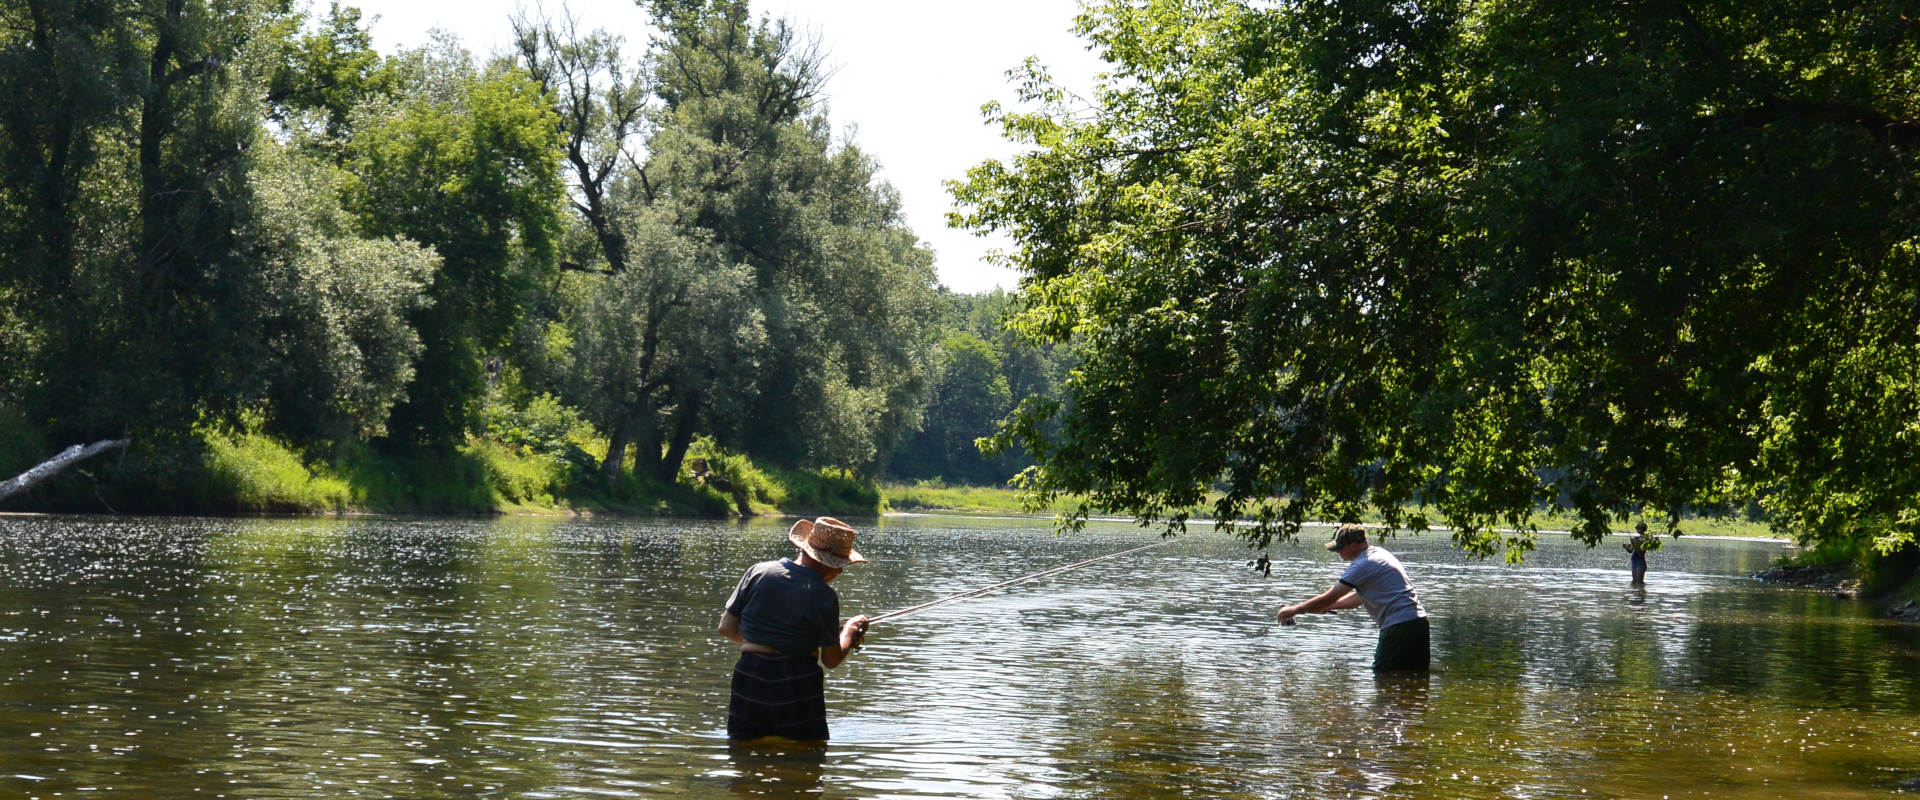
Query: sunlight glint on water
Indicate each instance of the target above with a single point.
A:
(565, 658)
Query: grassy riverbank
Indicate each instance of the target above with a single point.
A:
(926, 497)
(246, 472)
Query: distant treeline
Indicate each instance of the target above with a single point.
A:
(301, 273)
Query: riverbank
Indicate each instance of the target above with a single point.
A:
(215, 473)
(938, 498)
(1892, 584)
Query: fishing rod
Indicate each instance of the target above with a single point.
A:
(1003, 584)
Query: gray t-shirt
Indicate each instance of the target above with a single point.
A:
(1383, 588)
(786, 606)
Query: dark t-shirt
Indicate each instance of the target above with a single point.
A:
(786, 606)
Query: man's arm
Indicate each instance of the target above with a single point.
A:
(850, 636)
(730, 628)
(1337, 596)
(1352, 600)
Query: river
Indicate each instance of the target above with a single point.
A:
(557, 658)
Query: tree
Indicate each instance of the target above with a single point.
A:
(743, 158)
(466, 164)
(320, 77)
(968, 400)
(341, 353)
(600, 102)
(1476, 257)
(125, 187)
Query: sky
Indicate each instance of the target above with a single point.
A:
(908, 80)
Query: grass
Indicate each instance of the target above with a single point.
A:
(931, 496)
(251, 472)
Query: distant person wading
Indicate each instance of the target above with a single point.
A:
(1375, 580)
(787, 622)
(1637, 548)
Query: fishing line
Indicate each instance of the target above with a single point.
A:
(1004, 584)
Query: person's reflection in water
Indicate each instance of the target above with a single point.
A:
(775, 767)
(1637, 595)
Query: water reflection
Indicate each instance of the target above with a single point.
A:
(775, 769)
(570, 658)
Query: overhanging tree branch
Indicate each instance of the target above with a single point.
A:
(53, 466)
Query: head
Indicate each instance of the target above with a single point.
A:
(1640, 528)
(827, 543)
(1349, 541)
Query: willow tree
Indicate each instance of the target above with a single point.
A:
(757, 282)
(1476, 258)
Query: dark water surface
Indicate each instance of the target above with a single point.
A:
(543, 658)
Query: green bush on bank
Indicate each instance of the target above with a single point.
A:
(249, 471)
(1894, 574)
(825, 492)
(934, 495)
(793, 491)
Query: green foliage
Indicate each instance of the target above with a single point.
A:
(467, 164)
(320, 77)
(543, 425)
(743, 158)
(242, 237)
(21, 445)
(520, 479)
(247, 471)
(343, 353)
(826, 491)
(738, 470)
(123, 185)
(938, 496)
(1477, 258)
(1892, 575)
(968, 399)
(420, 481)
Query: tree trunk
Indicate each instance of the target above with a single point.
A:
(616, 458)
(683, 426)
(53, 466)
(646, 452)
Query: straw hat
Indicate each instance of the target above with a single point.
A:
(828, 540)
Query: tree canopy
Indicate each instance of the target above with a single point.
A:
(225, 218)
(1468, 259)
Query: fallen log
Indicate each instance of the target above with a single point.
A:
(53, 466)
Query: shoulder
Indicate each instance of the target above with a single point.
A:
(776, 568)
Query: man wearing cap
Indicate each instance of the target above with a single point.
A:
(787, 622)
(1375, 580)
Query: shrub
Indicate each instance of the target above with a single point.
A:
(249, 471)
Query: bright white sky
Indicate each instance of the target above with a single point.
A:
(911, 77)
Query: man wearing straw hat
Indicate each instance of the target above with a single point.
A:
(1374, 579)
(787, 622)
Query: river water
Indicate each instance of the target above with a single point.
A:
(549, 658)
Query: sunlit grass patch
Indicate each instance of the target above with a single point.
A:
(252, 472)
